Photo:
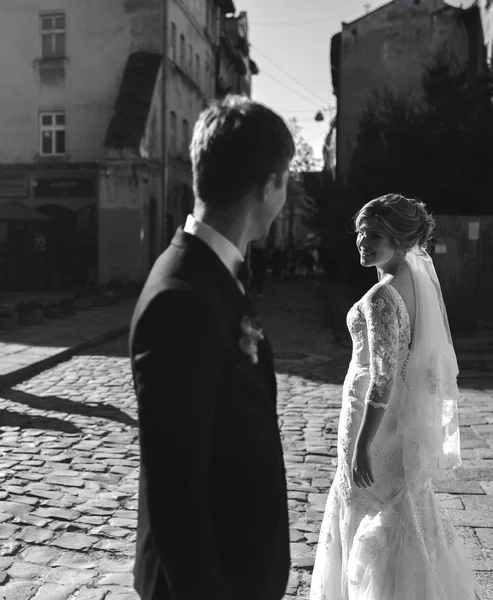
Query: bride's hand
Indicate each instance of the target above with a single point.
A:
(361, 467)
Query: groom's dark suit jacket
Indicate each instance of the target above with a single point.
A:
(213, 517)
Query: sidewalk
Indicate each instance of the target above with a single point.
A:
(26, 351)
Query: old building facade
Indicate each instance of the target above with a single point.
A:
(81, 122)
(196, 33)
(133, 180)
(49, 147)
(389, 48)
(234, 67)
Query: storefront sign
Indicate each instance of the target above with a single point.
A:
(65, 188)
(14, 188)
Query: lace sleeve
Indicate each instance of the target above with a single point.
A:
(383, 342)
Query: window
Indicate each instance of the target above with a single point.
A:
(52, 134)
(172, 133)
(53, 35)
(173, 42)
(182, 51)
(197, 69)
(190, 60)
(185, 134)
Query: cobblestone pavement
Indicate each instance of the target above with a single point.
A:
(26, 350)
(69, 462)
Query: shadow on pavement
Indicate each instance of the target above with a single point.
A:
(24, 421)
(477, 383)
(316, 369)
(116, 348)
(64, 405)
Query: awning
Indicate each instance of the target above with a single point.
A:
(16, 211)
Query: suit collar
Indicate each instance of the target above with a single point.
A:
(223, 278)
(228, 253)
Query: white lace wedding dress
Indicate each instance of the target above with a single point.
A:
(394, 540)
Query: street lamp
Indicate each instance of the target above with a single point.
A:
(320, 116)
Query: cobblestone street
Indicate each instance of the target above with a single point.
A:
(69, 461)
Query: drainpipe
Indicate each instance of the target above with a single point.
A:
(164, 120)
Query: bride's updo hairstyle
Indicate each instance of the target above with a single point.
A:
(406, 221)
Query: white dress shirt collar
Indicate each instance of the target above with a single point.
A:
(229, 254)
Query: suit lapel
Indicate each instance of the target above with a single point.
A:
(231, 293)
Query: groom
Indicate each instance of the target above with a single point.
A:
(213, 516)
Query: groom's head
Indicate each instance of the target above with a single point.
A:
(241, 151)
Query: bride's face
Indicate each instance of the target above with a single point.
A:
(375, 246)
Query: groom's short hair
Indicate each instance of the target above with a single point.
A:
(237, 144)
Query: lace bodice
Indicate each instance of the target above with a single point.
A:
(381, 333)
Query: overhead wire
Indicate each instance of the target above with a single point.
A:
(305, 88)
(317, 104)
(289, 23)
(289, 75)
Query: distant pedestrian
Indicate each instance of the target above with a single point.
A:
(308, 262)
(293, 260)
(276, 264)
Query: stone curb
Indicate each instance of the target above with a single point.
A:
(15, 377)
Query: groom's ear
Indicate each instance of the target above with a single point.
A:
(268, 187)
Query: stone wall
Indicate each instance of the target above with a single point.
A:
(389, 48)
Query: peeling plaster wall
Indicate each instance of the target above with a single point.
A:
(125, 225)
(124, 222)
(389, 48)
(100, 36)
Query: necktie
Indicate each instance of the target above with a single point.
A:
(244, 275)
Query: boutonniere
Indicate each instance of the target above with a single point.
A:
(252, 333)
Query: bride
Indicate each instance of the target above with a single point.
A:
(384, 535)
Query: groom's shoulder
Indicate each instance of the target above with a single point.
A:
(169, 289)
(168, 303)
(176, 268)
(172, 291)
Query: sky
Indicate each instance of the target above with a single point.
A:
(290, 42)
